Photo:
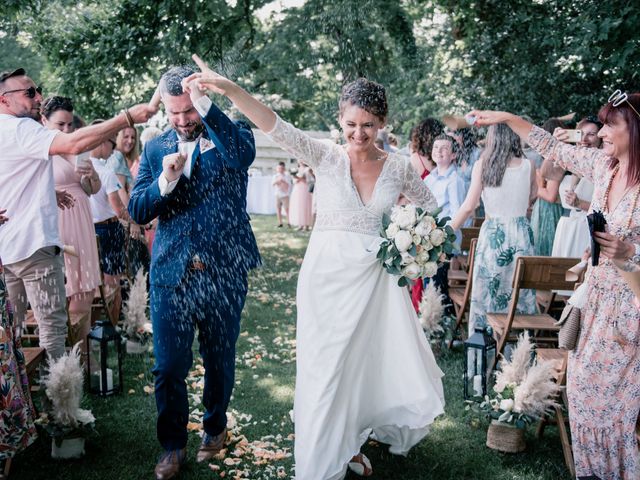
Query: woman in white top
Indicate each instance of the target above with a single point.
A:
(364, 366)
(506, 181)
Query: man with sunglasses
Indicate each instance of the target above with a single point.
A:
(29, 241)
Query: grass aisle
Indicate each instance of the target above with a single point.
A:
(262, 440)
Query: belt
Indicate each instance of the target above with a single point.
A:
(108, 220)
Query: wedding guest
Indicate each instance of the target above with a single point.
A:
(127, 145)
(422, 137)
(30, 245)
(301, 203)
(602, 382)
(204, 249)
(82, 270)
(506, 183)
(348, 307)
(547, 210)
(119, 163)
(107, 212)
(281, 182)
(448, 189)
(17, 430)
(468, 153)
(572, 232)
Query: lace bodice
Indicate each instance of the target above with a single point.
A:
(338, 204)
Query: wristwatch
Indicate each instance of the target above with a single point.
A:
(636, 256)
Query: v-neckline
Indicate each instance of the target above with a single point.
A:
(375, 185)
(611, 211)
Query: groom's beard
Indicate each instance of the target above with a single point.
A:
(189, 136)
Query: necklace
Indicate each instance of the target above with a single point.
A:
(605, 199)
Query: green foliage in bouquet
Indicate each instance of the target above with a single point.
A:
(416, 243)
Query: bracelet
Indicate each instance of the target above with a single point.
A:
(129, 117)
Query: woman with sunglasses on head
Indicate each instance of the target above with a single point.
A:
(79, 179)
(603, 385)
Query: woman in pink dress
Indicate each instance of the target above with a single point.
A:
(301, 203)
(603, 385)
(82, 268)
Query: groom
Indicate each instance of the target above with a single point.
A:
(193, 178)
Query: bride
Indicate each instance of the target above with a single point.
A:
(364, 367)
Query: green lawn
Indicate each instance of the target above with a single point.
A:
(125, 446)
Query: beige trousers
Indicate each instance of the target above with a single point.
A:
(39, 280)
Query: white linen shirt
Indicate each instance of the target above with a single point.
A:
(27, 189)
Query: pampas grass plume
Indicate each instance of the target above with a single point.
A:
(514, 371)
(431, 309)
(63, 386)
(537, 392)
(135, 310)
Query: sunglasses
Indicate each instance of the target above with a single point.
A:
(618, 97)
(29, 92)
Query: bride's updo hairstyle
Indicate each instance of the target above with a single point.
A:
(367, 95)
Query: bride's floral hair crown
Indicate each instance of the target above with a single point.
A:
(365, 94)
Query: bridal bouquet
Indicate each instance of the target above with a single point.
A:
(415, 243)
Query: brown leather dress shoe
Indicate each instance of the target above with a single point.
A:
(169, 463)
(211, 446)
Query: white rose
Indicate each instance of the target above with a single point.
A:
(422, 257)
(506, 404)
(426, 244)
(424, 227)
(437, 237)
(405, 216)
(411, 271)
(403, 240)
(430, 269)
(406, 258)
(392, 230)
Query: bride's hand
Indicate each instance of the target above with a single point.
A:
(207, 79)
(487, 117)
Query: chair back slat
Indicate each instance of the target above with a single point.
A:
(468, 234)
(545, 273)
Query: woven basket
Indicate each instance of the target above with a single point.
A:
(505, 438)
(569, 327)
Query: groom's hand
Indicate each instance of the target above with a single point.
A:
(172, 166)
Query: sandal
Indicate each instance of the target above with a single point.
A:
(360, 465)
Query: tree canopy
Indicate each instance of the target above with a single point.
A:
(542, 57)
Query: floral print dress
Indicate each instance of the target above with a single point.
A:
(504, 236)
(603, 380)
(17, 430)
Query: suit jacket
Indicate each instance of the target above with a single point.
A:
(206, 214)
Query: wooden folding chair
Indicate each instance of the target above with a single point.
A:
(477, 221)
(33, 357)
(461, 297)
(559, 358)
(544, 273)
(467, 234)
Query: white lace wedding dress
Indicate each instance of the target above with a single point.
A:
(364, 366)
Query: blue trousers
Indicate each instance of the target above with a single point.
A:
(213, 303)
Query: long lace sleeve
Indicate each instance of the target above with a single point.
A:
(303, 147)
(416, 190)
(581, 160)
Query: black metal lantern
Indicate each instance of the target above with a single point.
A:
(479, 355)
(104, 345)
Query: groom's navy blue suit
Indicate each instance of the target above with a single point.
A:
(203, 249)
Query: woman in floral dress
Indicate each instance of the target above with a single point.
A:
(17, 430)
(603, 382)
(502, 172)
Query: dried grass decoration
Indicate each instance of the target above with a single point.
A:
(525, 391)
(63, 387)
(137, 327)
